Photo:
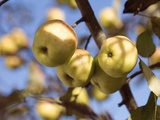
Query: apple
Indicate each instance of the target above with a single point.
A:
(82, 97)
(78, 71)
(49, 111)
(109, 18)
(72, 4)
(103, 82)
(54, 43)
(117, 56)
(55, 13)
(62, 1)
(155, 56)
(98, 95)
(13, 61)
(8, 45)
(20, 37)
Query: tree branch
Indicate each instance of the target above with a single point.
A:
(3, 1)
(99, 37)
(91, 22)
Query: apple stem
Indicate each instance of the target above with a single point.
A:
(69, 77)
(79, 21)
(110, 54)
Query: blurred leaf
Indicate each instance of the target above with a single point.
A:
(145, 45)
(147, 112)
(153, 81)
(155, 21)
(81, 110)
(37, 78)
(135, 6)
(14, 98)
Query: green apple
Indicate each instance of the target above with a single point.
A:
(55, 13)
(109, 18)
(8, 45)
(78, 71)
(20, 37)
(82, 95)
(103, 82)
(98, 95)
(156, 56)
(54, 43)
(13, 61)
(48, 110)
(117, 56)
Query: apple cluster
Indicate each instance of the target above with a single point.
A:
(55, 45)
(10, 45)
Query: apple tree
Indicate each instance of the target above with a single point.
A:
(65, 72)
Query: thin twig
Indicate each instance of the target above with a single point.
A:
(154, 66)
(88, 39)
(79, 21)
(3, 1)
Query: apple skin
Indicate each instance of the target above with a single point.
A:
(55, 13)
(20, 38)
(78, 71)
(98, 95)
(117, 56)
(8, 45)
(13, 61)
(48, 110)
(104, 82)
(156, 56)
(109, 18)
(82, 97)
(54, 43)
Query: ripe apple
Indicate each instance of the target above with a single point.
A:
(78, 71)
(103, 82)
(156, 56)
(20, 37)
(55, 13)
(8, 45)
(54, 43)
(13, 61)
(83, 96)
(117, 56)
(48, 110)
(109, 18)
(98, 95)
(72, 4)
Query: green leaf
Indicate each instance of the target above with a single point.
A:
(145, 45)
(155, 21)
(147, 112)
(153, 81)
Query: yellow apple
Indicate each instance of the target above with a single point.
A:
(109, 18)
(55, 13)
(98, 95)
(105, 83)
(156, 56)
(13, 61)
(72, 4)
(62, 1)
(117, 56)
(83, 96)
(20, 37)
(54, 43)
(78, 71)
(8, 45)
(49, 111)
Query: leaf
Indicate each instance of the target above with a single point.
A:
(153, 81)
(135, 6)
(145, 45)
(147, 112)
(155, 21)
